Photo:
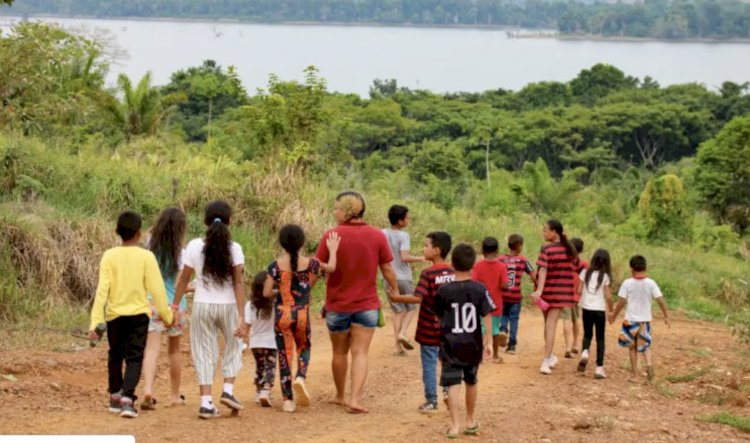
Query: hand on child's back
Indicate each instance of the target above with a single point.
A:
(333, 241)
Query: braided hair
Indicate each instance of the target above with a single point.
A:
(292, 238)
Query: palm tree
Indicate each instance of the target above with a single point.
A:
(141, 110)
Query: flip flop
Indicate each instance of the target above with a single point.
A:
(358, 410)
(181, 402)
(409, 346)
(148, 403)
(474, 430)
(450, 436)
(399, 354)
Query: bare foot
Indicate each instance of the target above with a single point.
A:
(354, 409)
(338, 402)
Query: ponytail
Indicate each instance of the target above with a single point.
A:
(217, 266)
(570, 249)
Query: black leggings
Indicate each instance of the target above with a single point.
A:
(591, 319)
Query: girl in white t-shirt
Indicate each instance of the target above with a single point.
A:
(594, 286)
(218, 305)
(259, 314)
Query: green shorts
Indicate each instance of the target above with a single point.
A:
(572, 314)
(496, 324)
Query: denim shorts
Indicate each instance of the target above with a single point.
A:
(342, 322)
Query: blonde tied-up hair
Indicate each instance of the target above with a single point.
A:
(352, 203)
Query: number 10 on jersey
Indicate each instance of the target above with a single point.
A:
(465, 318)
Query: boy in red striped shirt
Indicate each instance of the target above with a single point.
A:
(517, 265)
(437, 245)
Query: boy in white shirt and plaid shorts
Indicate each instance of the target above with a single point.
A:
(638, 292)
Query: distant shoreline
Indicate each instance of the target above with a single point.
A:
(513, 32)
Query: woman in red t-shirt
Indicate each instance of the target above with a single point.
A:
(352, 300)
(555, 284)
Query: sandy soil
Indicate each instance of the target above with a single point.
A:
(65, 393)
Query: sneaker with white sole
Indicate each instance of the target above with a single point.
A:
(256, 400)
(208, 413)
(599, 373)
(229, 400)
(553, 361)
(127, 410)
(584, 361)
(264, 398)
(289, 406)
(545, 368)
(428, 408)
(300, 392)
(115, 400)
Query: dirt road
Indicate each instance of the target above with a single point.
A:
(65, 393)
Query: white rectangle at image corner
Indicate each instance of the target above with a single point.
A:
(67, 438)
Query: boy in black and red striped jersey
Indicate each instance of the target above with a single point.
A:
(517, 265)
(437, 245)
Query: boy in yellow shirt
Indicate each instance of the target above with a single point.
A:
(127, 274)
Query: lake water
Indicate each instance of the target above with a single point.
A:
(439, 59)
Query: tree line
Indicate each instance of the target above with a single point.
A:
(601, 128)
(665, 19)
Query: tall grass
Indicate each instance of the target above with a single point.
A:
(59, 203)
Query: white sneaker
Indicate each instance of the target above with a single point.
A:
(257, 398)
(289, 406)
(545, 369)
(300, 392)
(599, 374)
(584, 361)
(553, 361)
(264, 398)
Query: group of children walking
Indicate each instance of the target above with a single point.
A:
(468, 311)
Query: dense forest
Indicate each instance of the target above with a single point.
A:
(625, 163)
(664, 19)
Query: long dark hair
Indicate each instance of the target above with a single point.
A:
(262, 304)
(556, 226)
(217, 267)
(292, 238)
(166, 241)
(599, 262)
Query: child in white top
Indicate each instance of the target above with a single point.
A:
(638, 292)
(259, 314)
(596, 301)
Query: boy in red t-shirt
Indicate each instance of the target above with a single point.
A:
(437, 245)
(517, 265)
(494, 275)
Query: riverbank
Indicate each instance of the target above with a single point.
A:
(626, 39)
(512, 32)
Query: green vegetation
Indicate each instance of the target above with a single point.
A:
(690, 376)
(665, 19)
(729, 419)
(612, 156)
